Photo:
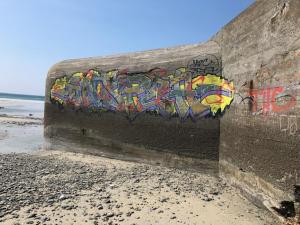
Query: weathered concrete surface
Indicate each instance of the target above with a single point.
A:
(260, 134)
(256, 143)
(149, 138)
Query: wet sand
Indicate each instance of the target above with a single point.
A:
(21, 125)
(20, 134)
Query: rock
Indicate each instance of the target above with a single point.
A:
(128, 214)
(33, 215)
(154, 208)
(164, 199)
(207, 199)
(111, 214)
(99, 190)
(215, 193)
(62, 197)
(45, 218)
(68, 206)
(107, 201)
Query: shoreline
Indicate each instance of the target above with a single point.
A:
(20, 120)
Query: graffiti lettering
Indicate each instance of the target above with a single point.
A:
(206, 64)
(185, 92)
(271, 100)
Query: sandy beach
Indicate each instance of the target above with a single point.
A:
(68, 188)
(55, 187)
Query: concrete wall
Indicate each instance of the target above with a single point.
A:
(260, 135)
(87, 107)
(257, 141)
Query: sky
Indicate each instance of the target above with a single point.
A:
(35, 34)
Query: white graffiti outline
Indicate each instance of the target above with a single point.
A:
(288, 124)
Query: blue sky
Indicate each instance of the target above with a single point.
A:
(35, 34)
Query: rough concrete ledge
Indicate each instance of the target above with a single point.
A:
(253, 187)
(133, 153)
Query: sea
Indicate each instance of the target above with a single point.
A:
(22, 97)
(18, 105)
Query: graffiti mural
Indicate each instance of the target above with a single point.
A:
(192, 92)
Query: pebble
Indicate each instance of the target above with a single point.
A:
(25, 182)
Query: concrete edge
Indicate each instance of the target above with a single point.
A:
(255, 189)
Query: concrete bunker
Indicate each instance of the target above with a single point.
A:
(161, 106)
(254, 145)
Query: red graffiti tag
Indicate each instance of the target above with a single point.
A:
(269, 100)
